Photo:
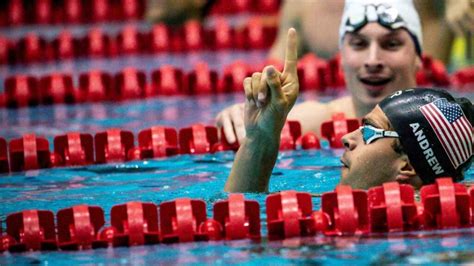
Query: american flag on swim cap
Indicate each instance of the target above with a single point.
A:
(452, 128)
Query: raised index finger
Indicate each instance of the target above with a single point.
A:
(291, 56)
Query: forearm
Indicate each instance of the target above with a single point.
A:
(253, 165)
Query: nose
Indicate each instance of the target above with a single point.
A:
(350, 141)
(373, 62)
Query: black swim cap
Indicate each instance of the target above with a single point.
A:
(435, 131)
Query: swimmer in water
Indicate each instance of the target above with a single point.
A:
(412, 136)
(380, 44)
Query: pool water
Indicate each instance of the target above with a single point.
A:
(198, 177)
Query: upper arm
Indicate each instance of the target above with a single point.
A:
(289, 17)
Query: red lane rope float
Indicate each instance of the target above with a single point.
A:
(387, 208)
(131, 83)
(288, 215)
(337, 127)
(56, 88)
(29, 153)
(114, 145)
(78, 227)
(347, 210)
(157, 142)
(245, 6)
(31, 230)
(446, 204)
(392, 207)
(21, 91)
(136, 224)
(197, 139)
(18, 12)
(289, 136)
(74, 149)
(94, 86)
(464, 79)
(240, 218)
(4, 164)
(191, 37)
(167, 80)
(313, 73)
(180, 220)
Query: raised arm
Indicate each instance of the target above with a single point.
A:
(270, 95)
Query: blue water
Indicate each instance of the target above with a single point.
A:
(200, 177)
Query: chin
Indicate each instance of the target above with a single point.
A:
(343, 180)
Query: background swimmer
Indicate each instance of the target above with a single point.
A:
(386, 148)
(380, 54)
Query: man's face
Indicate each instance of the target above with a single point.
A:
(377, 62)
(369, 165)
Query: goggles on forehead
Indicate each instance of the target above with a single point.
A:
(386, 16)
(371, 134)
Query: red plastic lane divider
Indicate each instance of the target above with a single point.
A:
(180, 220)
(233, 77)
(74, 149)
(29, 153)
(313, 72)
(77, 11)
(239, 6)
(96, 43)
(136, 224)
(337, 127)
(31, 230)
(432, 73)
(131, 83)
(94, 86)
(290, 135)
(201, 80)
(387, 208)
(239, 218)
(392, 207)
(130, 40)
(191, 37)
(446, 204)
(21, 91)
(310, 141)
(78, 227)
(4, 165)
(65, 46)
(167, 80)
(347, 209)
(289, 215)
(57, 88)
(464, 78)
(158, 142)
(197, 139)
(113, 145)
(70, 11)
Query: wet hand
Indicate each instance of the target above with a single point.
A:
(231, 119)
(270, 95)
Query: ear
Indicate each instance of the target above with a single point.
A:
(407, 174)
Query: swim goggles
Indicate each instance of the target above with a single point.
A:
(386, 16)
(371, 134)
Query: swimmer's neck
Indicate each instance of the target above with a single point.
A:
(361, 109)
